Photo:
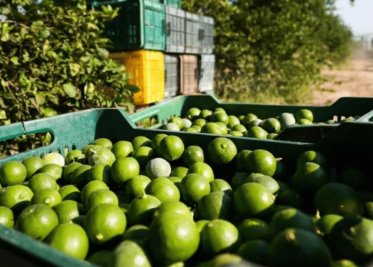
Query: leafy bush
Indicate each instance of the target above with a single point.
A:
(53, 60)
(272, 47)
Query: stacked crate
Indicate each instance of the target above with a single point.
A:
(166, 50)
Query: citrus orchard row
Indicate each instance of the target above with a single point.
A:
(219, 122)
(157, 202)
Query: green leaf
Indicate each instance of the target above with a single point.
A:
(5, 32)
(3, 114)
(70, 90)
(74, 69)
(14, 60)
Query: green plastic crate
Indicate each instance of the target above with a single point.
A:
(174, 3)
(139, 25)
(78, 129)
(344, 107)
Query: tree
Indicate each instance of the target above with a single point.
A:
(54, 60)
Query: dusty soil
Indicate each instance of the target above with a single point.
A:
(355, 78)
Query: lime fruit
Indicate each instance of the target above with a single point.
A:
(101, 196)
(70, 239)
(138, 233)
(179, 171)
(68, 170)
(158, 167)
(193, 154)
(326, 223)
(15, 197)
(129, 253)
(174, 207)
(309, 177)
(215, 205)
(271, 125)
(221, 151)
(100, 155)
(54, 158)
(156, 141)
(336, 198)
(255, 251)
(143, 154)
(104, 142)
(105, 222)
(124, 169)
(99, 172)
(37, 221)
(89, 188)
(122, 149)
(6, 217)
(304, 114)
(12, 173)
(286, 119)
(212, 128)
(241, 160)
(42, 181)
(135, 187)
(173, 238)
(251, 229)
(32, 164)
(252, 200)
(75, 155)
(67, 210)
(270, 183)
(193, 187)
(163, 189)
(261, 161)
(193, 113)
(256, 132)
(312, 156)
(297, 247)
(220, 185)
(218, 236)
(171, 147)
(49, 197)
(69, 192)
(203, 169)
(51, 169)
(141, 209)
(80, 175)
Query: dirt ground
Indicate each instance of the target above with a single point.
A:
(355, 78)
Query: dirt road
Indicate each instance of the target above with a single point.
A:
(353, 79)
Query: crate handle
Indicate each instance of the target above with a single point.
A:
(368, 117)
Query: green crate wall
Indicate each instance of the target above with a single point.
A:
(139, 25)
(174, 3)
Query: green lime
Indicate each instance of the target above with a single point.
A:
(220, 116)
(194, 129)
(205, 113)
(251, 229)
(138, 233)
(290, 218)
(221, 151)
(193, 113)
(352, 238)
(256, 132)
(238, 179)
(343, 263)
(12, 173)
(255, 251)
(135, 187)
(158, 167)
(312, 156)
(235, 133)
(70, 239)
(171, 126)
(256, 122)
(249, 118)
(42, 181)
(100, 155)
(297, 247)
(171, 147)
(178, 121)
(163, 189)
(15, 197)
(271, 125)
(200, 224)
(261, 161)
(6, 217)
(223, 128)
(215, 205)
(104, 142)
(122, 149)
(101, 196)
(68, 170)
(104, 223)
(101, 257)
(252, 200)
(203, 169)
(67, 210)
(232, 121)
(80, 175)
(124, 169)
(193, 154)
(336, 198)
(69, 192)
(199, 122)
(156, 141)
(129, 253)
(49, 197)
(272, 136)
(270, 183)
(140, 210)
(193, 187)
(174, 207)
(75, 155)
(180, 172)
(141, 141)
(51, 169)
(241, 160)
(309, 177)
(32, 164)
(143, 154)
(326, 223)
(286, 119)
(89, 188)
(304, 114)
(186, 123)
(99, 172)
(173, 238)
(218, 236)
(37, 221)
(54, 158)
(224, 260)
(239, 128)
(220, 185)
(212, 128)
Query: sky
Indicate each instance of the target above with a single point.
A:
(359, 16)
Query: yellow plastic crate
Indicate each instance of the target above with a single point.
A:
(145, 70)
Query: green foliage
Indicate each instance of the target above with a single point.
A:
(53, 60)
(272, 47)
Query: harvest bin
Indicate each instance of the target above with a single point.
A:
(139, 25)
(175, 31)
(189, 74)
(207, 73)
(207, 34)
(193, 37)
(146, 71)
(342, 108)
(75, 130)
(172, 75)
